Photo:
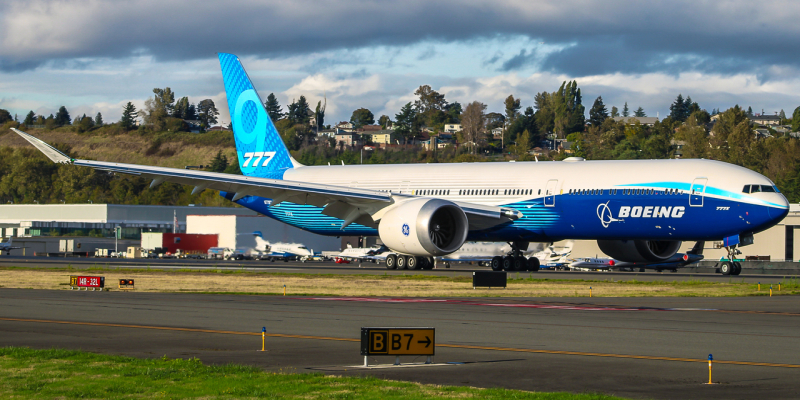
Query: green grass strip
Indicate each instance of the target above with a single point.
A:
(57, 373)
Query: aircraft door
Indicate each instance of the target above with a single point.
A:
(697, 191)
(550, 193)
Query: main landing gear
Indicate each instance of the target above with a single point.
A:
(399, 261)
(731, 267)
(515, 261)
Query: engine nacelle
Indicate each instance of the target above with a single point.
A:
(639, 250)
(424, 227)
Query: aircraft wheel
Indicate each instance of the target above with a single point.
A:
(430, 263)
(726, 268)
(737, 268)
(401, 262)
(533, 264)
(391, 261)
(412, 262)
(520, 263)
(496, 263)
(508, 263)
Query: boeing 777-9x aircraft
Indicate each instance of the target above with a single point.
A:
(637, 210)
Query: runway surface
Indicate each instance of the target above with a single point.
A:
(457, 269)
(632, 347)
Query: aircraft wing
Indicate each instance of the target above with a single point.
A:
(350, 204)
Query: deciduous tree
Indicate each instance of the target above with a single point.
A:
(473, 122)
(362, 117)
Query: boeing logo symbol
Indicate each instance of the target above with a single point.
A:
(605, 215)
(406, 229)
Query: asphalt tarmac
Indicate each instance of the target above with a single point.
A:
(631, 347)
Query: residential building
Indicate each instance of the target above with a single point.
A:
(767, 120)
(497, 133)
(326, 133)
(649, 121)
(452, 128)
(345, 126)
(382, 136)
(347, 139)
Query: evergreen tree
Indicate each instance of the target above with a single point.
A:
(298, 111)
(181, 109)
(405, 122)
(691, 106)
(30, 119)
(598, 113)
(750, 112)
(639, 112)
(614, 112)
(98, 120)
(62, 116)
(782, 115)
(273, 108)
(796, 120)
(679, 110)
(625, 111)
(319, 113)
(512, 109)
(5, 116)
(219, 163)
(128, 116)
(191, 113)
(207, 112)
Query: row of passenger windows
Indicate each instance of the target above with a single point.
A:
(626, 192)
(478, 192)
(759, 189)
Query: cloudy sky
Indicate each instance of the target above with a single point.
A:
(95, 55)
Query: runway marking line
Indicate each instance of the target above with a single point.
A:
(452, 346)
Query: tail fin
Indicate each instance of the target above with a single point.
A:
(259, 146)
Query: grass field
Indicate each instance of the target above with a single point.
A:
(519, 285)
(36, 374)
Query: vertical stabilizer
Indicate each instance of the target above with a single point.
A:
(259, 147)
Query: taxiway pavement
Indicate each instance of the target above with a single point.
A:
(632, 347)
(457, 269)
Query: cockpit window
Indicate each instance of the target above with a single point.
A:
(760, 189)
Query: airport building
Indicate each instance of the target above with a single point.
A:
(99, 220)
(40, 226)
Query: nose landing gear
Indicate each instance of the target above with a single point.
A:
(731, 267)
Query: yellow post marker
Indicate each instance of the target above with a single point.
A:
(779, 286)
(284, 290)
(590, 291)
(710, 359)
(770, 290)
(759, 286)
(263, 337)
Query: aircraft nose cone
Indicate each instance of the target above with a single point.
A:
(779, 213)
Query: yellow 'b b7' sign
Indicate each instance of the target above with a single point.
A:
(398, 341)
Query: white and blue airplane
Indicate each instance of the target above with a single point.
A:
(637, 210)
(7, 246)
(282, 251)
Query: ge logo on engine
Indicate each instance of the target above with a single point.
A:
(406, 229)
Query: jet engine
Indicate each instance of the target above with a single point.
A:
(639, 250)
(424, 227)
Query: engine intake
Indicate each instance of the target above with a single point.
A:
(424, 227)
(639, 250)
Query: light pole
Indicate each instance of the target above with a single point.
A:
(117, 230)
